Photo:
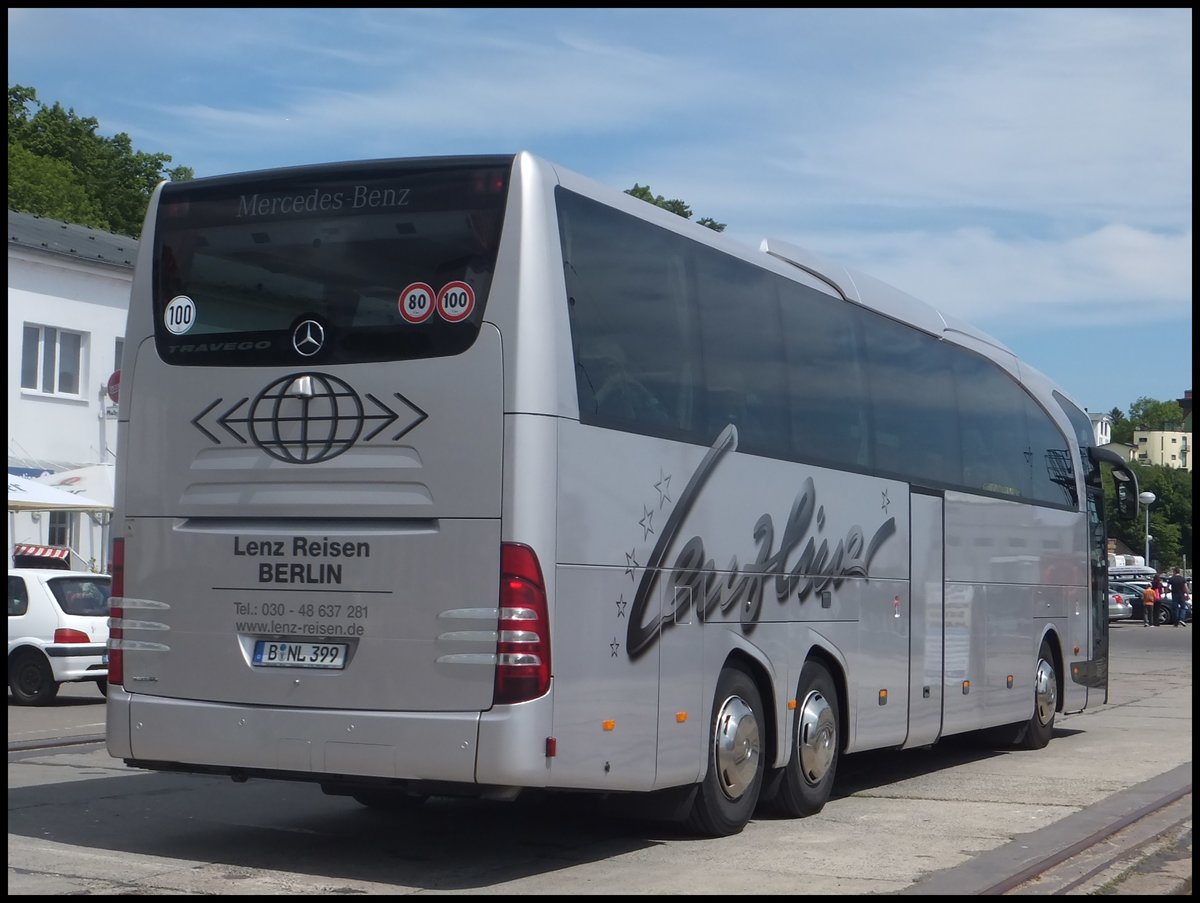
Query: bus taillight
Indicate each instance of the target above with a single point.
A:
(116, 658)
(523, 641)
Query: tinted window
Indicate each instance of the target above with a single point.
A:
(82, 595)
(392, 260)
(1084, 435)
(636, 360)
(676, 339)
(996, 456)
(914, 410)
(18, 596)
(742, 348)
(826, 378)
(1053, 472)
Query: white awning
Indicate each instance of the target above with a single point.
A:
(30, 495)
(95, 481)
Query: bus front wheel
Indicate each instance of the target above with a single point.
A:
(1036, 732)
(726, 797)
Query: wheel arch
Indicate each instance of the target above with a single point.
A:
(22, 647)
(757, 670)
(837, 672)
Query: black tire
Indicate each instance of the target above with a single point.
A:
(806, 782)
(1163, 615)
(1036, 732)
(726, 798)
(102, 686)
(30, 679)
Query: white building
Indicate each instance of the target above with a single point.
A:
(68, 294)
(1166, 448)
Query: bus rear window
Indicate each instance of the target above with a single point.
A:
(328, 264)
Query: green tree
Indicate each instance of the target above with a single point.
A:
(1171, 512)
(676, 206)
(1149, 414)
(1170, 516)
(39, 184)
(61, 167)
(1122, 428)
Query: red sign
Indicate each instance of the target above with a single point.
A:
(114, 383)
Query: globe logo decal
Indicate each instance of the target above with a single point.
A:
(306, 419)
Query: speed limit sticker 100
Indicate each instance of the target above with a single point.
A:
(455, 301)
(179, 315)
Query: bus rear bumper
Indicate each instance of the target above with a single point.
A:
(308, 744)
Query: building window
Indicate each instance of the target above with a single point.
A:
(51, 360)
(60, 528)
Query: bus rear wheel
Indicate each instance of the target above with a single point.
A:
(726, 798)
(806, 782)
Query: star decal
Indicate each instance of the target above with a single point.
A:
(663, 485)
(631, 565)
(614, 646)
(646, 522)
(886, 500)
(621, 603)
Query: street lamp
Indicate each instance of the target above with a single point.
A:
(1147, 499)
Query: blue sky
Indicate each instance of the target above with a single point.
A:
(1029, 171)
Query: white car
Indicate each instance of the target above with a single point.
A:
(57, 631)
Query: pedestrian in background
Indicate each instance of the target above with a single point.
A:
(1149, 598)
(1179, 595)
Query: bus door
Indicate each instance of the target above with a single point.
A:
(927, 617)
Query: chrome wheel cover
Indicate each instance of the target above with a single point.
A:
(816, 736)
(736, 751)
(1045, 691)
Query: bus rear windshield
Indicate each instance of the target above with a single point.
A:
(331, 264)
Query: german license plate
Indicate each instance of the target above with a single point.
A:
(281, 654)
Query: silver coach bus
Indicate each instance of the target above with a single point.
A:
(470, 475)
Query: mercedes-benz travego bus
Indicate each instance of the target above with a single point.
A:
(470, 475)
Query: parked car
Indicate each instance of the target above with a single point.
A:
(57, 631)
(1119, 608)
(1164, 612)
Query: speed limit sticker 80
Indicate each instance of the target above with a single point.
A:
(416, 302)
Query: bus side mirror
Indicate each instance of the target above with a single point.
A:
(1126, 500)
(1124, 478)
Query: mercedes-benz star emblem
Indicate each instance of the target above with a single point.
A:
(308, 338)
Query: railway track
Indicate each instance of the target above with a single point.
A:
(1138, 841)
